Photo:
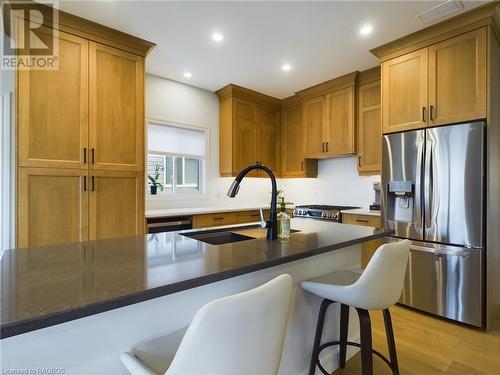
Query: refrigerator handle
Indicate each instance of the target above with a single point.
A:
(418, 185)
(428, 181)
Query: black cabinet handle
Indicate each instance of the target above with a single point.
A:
(218, 218)
(323, 147)
(424, 114)
(326, 146)
(85, 155)
(302, 165)
(361, 221)
(92, 152)
(432, 112)
(84, 183)
(93, 183)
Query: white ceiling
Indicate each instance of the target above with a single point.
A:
(319, 39)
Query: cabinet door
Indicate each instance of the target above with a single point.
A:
(292, 142)
(53, 109)
(268, 138)
(404, 92)
(368, 248)
(339, 137)
(52, 206)
(244, 135)
(369, 128)
(457, 78)
(116, 202)
(116, 132)
(314, 119)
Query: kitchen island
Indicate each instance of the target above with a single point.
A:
(76, 307)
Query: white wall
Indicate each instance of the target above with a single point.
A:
(337, 183)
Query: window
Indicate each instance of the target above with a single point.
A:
(176, 158)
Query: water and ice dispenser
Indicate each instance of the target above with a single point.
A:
(400, 201)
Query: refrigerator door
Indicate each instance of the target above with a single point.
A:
(402, 161)
(446, 281)
(454, 185)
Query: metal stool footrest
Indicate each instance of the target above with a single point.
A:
(351, 343)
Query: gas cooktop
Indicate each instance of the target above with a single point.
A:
(321, 211)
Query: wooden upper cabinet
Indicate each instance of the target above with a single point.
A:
(293, 163)
(116, 204)
(268, 137)
(116, 132)
(441, 84)
(292, 141)
(52, 109)
(314, 112)
(369, 129)
(404, 92)
(457, 78)
(339, 134)
(249, 131)
(245, 135)
(52, 206)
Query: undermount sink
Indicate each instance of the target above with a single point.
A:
(218, 237)
(229, 235)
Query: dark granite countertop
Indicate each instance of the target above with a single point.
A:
(49, 285)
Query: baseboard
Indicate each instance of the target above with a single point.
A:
(329, 357)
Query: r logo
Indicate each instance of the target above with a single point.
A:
(30, 35)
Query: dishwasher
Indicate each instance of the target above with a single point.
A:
(169, 224)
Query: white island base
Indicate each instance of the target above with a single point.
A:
(92, 345)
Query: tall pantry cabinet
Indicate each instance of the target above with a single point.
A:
(80, 139)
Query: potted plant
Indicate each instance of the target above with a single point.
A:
(154, 182)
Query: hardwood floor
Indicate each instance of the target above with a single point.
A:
(427, 346)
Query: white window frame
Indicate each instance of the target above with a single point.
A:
(180, 193)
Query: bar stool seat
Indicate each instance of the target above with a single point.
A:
(238, 334)
(377, 287)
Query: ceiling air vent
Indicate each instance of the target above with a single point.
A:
(440, 11)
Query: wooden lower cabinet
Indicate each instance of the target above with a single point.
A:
(56, 205)
(214, 219)
(116, 204)
(227, 218)
(368, 248)
(52, 206)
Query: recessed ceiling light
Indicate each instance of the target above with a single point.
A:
(286, 67)
(187, 74)
(366, 30)
(217, 37)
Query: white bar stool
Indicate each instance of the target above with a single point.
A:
(377, 287)
(239, 334)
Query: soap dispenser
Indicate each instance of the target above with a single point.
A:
(283, 222)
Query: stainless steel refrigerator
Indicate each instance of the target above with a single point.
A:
(433, 193)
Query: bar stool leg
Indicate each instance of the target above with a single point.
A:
(344, 326)
(317, 337)
(366, 341)
(391, 344)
